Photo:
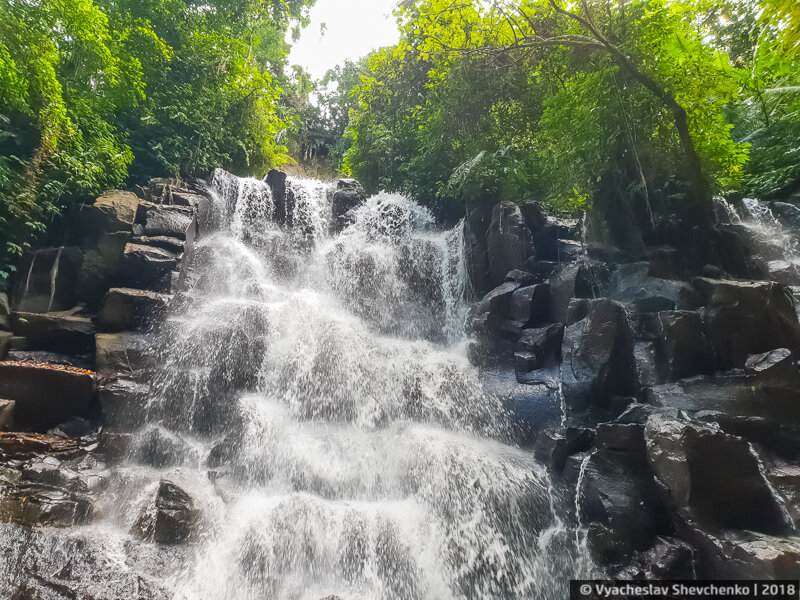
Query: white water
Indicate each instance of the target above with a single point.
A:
(315, 399)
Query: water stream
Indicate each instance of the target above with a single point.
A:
(315, 399)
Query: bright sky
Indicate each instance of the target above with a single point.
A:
(354, 29)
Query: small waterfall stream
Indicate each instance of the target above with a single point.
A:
(315, 399)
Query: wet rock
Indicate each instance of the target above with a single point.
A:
(745, 555)
(127, 309)
(553, 448)
(56, 331)
(546, 238)
(149, 267)
(747, 317)
(124, 352)
(46, 480)
(681, 347)
(531, 304)
(170, 244)
(598, 357)
(123, 403)
(117, 210)
(522, 277)
(568, 251)
(46, 394)
(498, 301)
(349, 194)
(712, 479)
(626, 437)
(5, 312)
(668, 559)
(784, 272)
(539, 348)
(586, 279)
(170, 221)
(101, 268)
(779, 363)
(7, 415)
(475, 253)
(632, 283)
(644, 358)
(171, 520)
(509, 241)
(276, 180)
(6, 341)
(618, 498)
(46, 280)
(787, 214)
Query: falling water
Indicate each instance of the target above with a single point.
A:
(315, 399)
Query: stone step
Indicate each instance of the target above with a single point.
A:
(55, 331)
(127, 309)
(46, 394)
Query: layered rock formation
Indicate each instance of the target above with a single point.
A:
(681, 433)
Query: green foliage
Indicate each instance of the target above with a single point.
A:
(517, 99)
(97, 93)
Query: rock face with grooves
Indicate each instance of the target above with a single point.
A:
(171, 520)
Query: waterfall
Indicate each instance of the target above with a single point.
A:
(314, 397)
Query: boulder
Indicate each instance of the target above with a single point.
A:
(669, 558)
(276, 180)
(127, 309)
(55, 332)
(780, 362)
(5, 312)
(539, 348)
(787, 214)
(523, 277)
(553, 448)
(170, 244)
(149, 267)
(509, 241)
(171, 520)
(712, 479)
(123, 403)
(122, 353)
(46, 394)
(530, 305)
(632, 283)
(7, 415)
(117, 210)
(101, 268)
(476, 255)
(747, 317)
(170, 221)
(744, 555)
(46, 280)
(498, 301)
(349, 194)
(598, 357)
(783, 271)
(681, 347)
(6, 340)
(586, 279)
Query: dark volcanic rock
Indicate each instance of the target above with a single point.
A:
(598, 357)
(117, 210)
(632, 283)
(171, 520)
(475, 253)
(682, 348)
(126, 309)
(349, 194)
(539, 348)
(712, 479)
(149, 267)
(509, 241)
(122, 403)
(55, 332)
(530, 305)
(747, 317)
(46, 280)
(498, 301)
(101, 268)
(46, 394)
(170, 221)
(122, 352)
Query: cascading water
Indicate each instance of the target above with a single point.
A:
(314, 397)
